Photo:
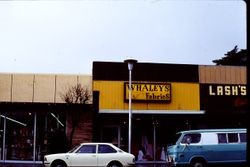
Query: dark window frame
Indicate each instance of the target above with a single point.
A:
(105, 149)
(91, 149)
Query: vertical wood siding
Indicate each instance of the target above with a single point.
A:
(222, 74)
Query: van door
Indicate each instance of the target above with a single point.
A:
(191, 147)
(209, 144)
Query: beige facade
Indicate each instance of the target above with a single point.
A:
(39, 88)
(222, 74)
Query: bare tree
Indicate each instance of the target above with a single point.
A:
(75, 95)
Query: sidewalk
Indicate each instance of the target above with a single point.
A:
(19, 165)
(151, 164)
(40, 165)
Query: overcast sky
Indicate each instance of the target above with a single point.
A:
(67, 36)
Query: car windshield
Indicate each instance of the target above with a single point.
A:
(73, 149)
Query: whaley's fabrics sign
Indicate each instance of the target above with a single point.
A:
(154, 92)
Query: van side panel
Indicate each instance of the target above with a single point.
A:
(214, 146)
(223, 153)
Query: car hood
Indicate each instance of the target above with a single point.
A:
(58, 155)
(171, 148)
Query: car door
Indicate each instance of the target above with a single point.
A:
(106, 154)
(84, 156)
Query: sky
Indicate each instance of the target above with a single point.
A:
(66, 36)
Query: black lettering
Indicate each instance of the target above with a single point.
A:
(155, 88)
(161, 88)
(132, 87)
(144, 88)
(139, 88)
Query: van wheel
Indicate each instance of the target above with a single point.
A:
(198, 163)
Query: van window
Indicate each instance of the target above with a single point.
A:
(222, 138)
(243, 137)
(232, 137)
(191, 138)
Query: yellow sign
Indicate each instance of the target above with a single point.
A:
(148, 91)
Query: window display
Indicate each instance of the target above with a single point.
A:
(27, 136)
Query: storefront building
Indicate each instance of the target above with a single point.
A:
(34, 119)
(166, 98)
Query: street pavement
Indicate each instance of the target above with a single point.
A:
(40, 165)
(138, 165)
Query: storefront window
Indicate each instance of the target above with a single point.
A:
(19, 136)
(115, 135)
(19, 129)
(51, 137)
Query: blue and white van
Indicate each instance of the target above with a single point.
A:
(197, 148)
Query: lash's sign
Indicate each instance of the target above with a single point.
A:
(155, 92)
(227, 90)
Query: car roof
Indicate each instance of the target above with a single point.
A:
(213, 130)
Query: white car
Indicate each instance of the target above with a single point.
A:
(91, 154)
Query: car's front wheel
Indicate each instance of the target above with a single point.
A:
(58, 164)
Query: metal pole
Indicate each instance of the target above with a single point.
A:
(130, 112)
(34, 141)
(130, 62)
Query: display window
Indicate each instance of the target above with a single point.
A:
(27, 136)
(116, 135)
(19, 136)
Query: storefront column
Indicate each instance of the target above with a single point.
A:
(155, 124)
(154, 142)
(4, 138)
(34, 135)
